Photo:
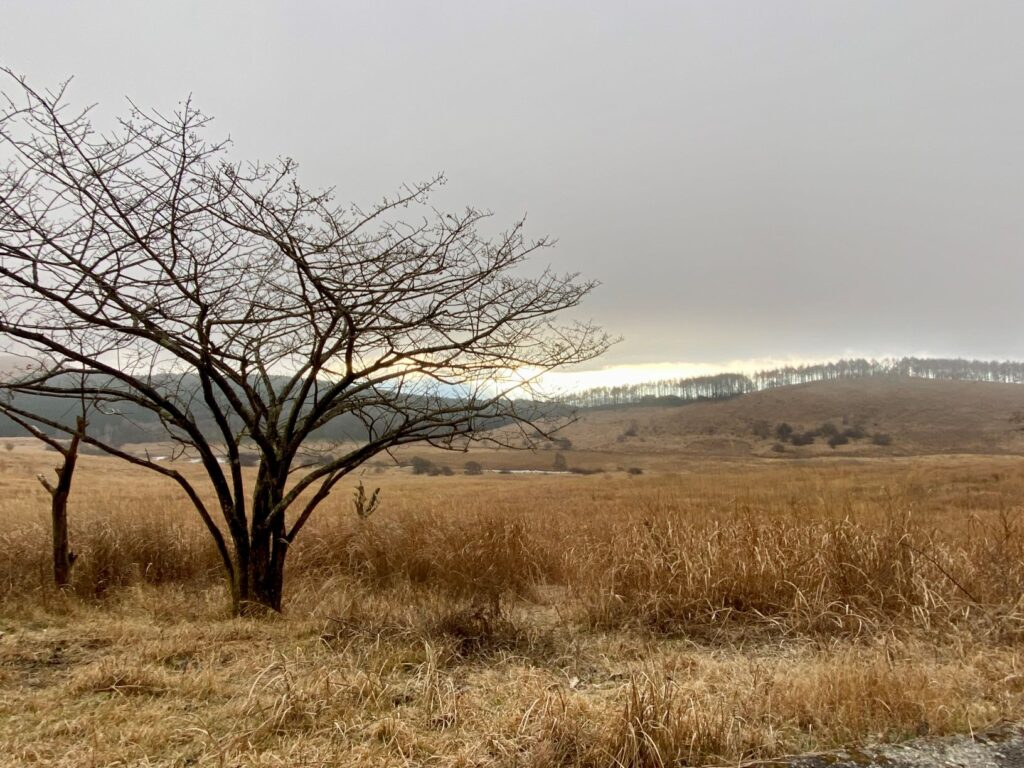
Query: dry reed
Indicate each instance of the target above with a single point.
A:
(725, 613)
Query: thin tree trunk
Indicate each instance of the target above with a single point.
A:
(63, 557)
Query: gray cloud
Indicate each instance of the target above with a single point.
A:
(747, 179)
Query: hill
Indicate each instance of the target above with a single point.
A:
(919, 415)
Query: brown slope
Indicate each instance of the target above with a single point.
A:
(922, 416)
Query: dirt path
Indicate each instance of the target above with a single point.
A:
(1002, 748)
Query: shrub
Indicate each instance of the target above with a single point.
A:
(855, 432)
(631, 430)
(881, 438)
(837, 440)
(779, 448)
(421, 466)
(783, 432)
(804, 438)
(474, 468)
(635, 471)
(561, 465)
(828, 429)
(761, 429)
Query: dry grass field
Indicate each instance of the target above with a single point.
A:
(703, 612)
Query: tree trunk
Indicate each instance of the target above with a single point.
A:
(63, 557)
(261, 590)
(259, 577)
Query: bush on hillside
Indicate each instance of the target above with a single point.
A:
(828, 429)
(836, 440)
(421, 466)
(803, 438)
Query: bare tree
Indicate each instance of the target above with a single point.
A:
(237, 311)
(63, 557)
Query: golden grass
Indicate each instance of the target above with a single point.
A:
(720, 613)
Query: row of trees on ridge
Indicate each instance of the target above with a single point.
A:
(726, 385)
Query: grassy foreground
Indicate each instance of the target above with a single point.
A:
(718, 614)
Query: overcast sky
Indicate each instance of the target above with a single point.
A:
(771, 180)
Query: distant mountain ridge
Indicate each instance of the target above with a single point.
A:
(726, 385)
(123, 421)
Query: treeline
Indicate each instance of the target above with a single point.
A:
(725, 385)
(124, 422)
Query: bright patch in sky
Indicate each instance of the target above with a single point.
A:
(559, 382)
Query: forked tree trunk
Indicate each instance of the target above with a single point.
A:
(262, 589)
(63, 557)
(259, 572)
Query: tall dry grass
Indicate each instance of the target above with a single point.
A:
(718, 614)
(813, 573)
(811, 549)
